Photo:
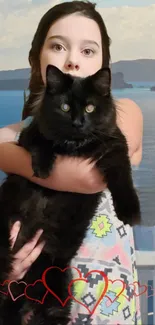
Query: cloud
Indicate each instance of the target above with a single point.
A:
(118, 3)
(113, 3)
(7, 6)
(131, 30)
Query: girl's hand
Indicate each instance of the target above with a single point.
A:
(26, 256)
(95, 181)
(73, 175)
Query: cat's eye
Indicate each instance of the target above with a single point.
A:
(65, 107)
(90, 108)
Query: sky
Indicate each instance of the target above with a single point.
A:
(130, 25)
(111, 3)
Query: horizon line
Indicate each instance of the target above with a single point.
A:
(131, 60)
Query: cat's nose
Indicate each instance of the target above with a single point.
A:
(77, 124)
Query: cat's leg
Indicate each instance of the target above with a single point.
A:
(40, 149)
(42, 162)
(116, 170)
(42, 159)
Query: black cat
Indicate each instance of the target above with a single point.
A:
(76, 117)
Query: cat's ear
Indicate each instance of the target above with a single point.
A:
(55, 79)
(101, 81)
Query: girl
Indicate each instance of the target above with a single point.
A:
(73, 37)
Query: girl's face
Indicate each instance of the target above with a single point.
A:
(74, 45)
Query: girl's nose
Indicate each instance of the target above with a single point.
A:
(71, 66)
(72, 62)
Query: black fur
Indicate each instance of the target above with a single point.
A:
(63, 216)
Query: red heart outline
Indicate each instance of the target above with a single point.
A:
(32, 285)
(2, 284)
(85, 280)
(9, 289)
(129, 298)
(124, 285)
(51, 291)
(140, 286)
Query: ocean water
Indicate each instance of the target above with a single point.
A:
(11, 104)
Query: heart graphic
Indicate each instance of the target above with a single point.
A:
(85, 280)
(9, 289)
(153, 292)
(34, 299)
(5, 292)
(127, 286)
(140, 286)
(123, 288)
(49, 289)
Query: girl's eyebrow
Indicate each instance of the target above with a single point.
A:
(62, 38)
(66, 39)
(88, 41)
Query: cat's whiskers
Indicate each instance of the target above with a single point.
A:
(99, 133)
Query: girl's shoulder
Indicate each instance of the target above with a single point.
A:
(129, 107)
(130, 121)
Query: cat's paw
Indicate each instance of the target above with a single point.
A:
(128, 210)
(40, 172)
(131, 219)
(42, 164)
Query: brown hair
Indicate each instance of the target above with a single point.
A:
(86, 9)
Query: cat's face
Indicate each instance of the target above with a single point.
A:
(76, 107)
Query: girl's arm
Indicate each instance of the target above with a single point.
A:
(130, 121)
(69, 174)
(8, 133)
(73, 174)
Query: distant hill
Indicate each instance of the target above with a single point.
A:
(21, 84)
(134, 70)
(123, 72)
(118, 81)
(137, 70)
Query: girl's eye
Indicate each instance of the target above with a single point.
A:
(65, 107)
(90, 108)
(57, 47)
(88, 52)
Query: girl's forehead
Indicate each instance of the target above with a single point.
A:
(75, 26)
